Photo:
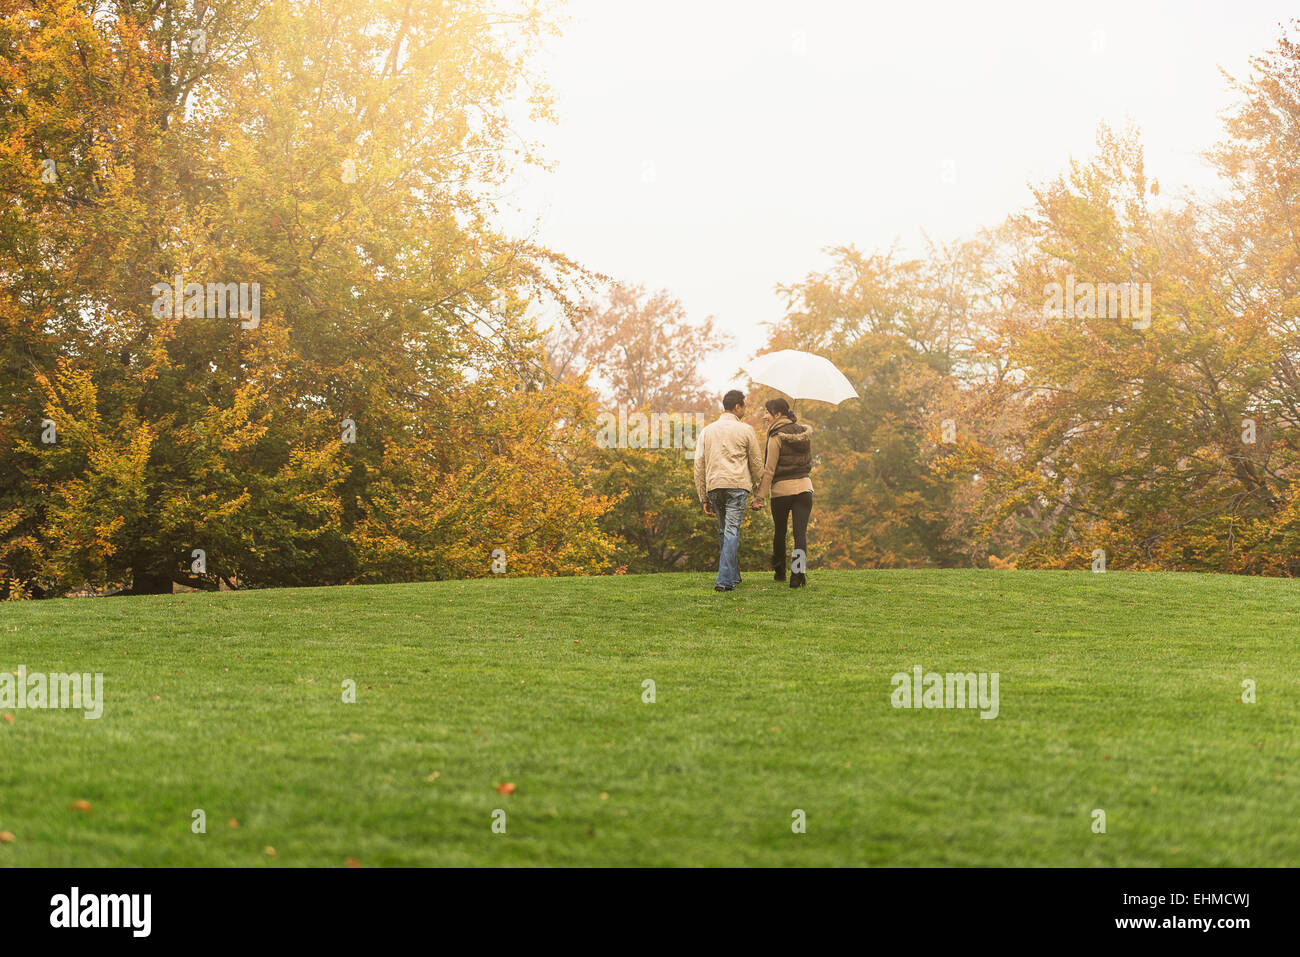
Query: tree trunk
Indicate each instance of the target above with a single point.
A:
(148, 579)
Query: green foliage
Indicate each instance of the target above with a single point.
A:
(659, 522)
(894, 329)
(343, 158)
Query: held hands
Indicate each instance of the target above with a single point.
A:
(755, 506)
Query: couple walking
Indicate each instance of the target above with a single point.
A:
(728, 466)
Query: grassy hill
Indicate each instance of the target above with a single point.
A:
(1118, 692)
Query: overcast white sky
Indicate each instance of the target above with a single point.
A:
(716, 147)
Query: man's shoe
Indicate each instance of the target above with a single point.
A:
(724, 587)
(798, 579)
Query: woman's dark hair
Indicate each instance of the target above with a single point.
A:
(779, 407)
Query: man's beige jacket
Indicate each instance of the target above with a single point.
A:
(727, 456)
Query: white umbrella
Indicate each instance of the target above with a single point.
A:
(802, 375)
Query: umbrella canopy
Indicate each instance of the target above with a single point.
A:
(802, 375)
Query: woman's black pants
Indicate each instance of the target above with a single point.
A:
(782, 507)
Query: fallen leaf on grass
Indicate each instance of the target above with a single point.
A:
(353, 862)
(232, 823)
(507, 788)
(81, 805)
(6, 837)
(9, 718)
(269, 851)
(434, 776)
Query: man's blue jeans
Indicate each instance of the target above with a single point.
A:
(729, 503)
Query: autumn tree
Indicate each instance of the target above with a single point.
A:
(343, 158)
(1254, 240)
(638, 353)
(1128, 435)
(899, 330)
(640, 349)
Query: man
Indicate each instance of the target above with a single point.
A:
(728, 464)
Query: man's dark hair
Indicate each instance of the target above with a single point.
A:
(732, 399)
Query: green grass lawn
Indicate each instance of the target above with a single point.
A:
(1118, 692)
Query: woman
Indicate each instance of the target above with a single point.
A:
(787, 464)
